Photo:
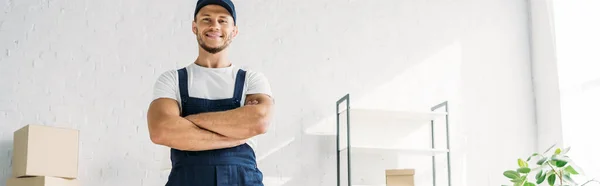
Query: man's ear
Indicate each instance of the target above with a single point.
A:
(235, 31)
(194, 28)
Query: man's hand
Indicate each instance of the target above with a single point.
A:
(251, 102)
(244, 122)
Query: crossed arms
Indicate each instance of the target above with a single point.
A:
(206, 131)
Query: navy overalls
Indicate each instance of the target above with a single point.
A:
(234, 166)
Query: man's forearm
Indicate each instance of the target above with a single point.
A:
(179, 133)
(241, 123)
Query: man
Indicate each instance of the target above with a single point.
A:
(209, 111)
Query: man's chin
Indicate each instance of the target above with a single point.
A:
(212, 50)
(212, 46)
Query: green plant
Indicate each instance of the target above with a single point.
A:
(553, 167)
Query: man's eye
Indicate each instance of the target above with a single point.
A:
(223, 21)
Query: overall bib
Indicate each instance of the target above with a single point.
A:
(234, 166)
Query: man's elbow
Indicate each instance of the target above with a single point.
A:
(262, 126)
(157, 136)
(261, 122)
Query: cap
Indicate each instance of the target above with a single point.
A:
(227, 4)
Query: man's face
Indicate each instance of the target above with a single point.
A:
(214, 28)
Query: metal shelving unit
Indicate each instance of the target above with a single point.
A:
(363, 119)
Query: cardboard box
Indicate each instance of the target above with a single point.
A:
(45, 151)
(400, 177)
(41, 181)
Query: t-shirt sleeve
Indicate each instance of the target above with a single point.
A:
(258, 84)
(166, 86)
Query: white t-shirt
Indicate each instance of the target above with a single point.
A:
(211, 83)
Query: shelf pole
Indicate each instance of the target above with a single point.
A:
(433, 156)
(445, 105)
(337, 140)
(346, 98)
(348, 140)
(448, 145)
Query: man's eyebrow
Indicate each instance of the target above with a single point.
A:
(221, 16)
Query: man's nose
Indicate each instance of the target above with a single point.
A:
(214, 24)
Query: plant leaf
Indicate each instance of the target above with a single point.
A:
(522, 163)
(533, 155)
(553, 163)
(550, 148)
(571, 170)
(519, 181)
(551, 179)
(559, 163)
(524, 170)
(539, 174)
(529, 184)
(566, 150)
(560, 157)
(557, 151)
(576, 168)
(568, 178)
(511, 174)
(540, 177)
(542, 161)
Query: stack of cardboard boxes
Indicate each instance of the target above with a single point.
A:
(45, 156)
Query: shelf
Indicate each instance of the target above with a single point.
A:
(404, 151)
(381, 139)
(373, 117)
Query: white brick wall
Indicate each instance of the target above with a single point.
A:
(90, 65)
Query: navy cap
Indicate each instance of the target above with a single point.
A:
(227, 4)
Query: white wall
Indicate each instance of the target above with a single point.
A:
(90, 65)
(545, 74)
(578, 43)
(565, 64)
(496, 92)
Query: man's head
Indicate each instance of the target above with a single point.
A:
(214, 24)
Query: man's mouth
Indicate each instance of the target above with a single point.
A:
(213, 35)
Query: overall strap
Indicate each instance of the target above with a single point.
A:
(183, 84)
(239, 85)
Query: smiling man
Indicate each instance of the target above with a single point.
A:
(209, 111)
